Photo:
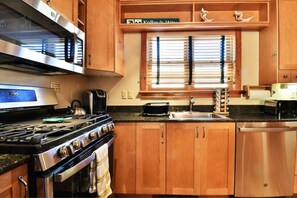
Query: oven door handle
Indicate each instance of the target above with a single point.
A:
(267, 129)
(60, 177)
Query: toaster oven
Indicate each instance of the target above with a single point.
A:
(281, 107)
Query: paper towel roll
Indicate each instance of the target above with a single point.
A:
(259, 94)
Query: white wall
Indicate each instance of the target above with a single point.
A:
(114, 86)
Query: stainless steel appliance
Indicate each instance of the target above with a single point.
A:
(156, 109)
(95, 101)
(60, 146)
(265, 159)
(35, 38)
(281, 108)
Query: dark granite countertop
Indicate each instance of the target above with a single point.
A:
(11, 161)
(238, 113)
(234, 117)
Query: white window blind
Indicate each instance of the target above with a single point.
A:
(199, 61)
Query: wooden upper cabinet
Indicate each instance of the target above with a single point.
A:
(150, 158)
(287, 34)
(144, 15)
(104, 41)
(73, 10)
(278, 46)
(65, 7)
(200, 158)
(125, 158)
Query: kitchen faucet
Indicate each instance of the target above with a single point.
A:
(191, 103)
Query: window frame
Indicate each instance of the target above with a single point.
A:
(144, 93)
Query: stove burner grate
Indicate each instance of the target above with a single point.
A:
(40, 133)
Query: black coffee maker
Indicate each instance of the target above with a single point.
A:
(95, 101)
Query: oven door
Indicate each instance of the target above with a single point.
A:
(72, 179)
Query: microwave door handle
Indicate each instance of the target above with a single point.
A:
(60, 177)
(69, 49)
(74, 48)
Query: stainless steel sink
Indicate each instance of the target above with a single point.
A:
(187, 115)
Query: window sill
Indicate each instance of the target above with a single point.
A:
(182, 94)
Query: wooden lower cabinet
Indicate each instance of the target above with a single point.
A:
(175, 158)
(150, 158)
(125, 158)
(200, 158)
(10, 186)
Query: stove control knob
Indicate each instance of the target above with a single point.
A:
(77, 145)
(93, 135)
(63, 152)
(104, 129)
(110, 126)
(70, 149)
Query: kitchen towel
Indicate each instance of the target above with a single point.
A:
(99, 173)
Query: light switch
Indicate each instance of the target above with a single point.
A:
(124, 94)
(130, 94)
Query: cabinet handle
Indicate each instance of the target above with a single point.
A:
(203, 132)
(48, 1)
(197, 132)
(285, 76)
(89, 59)
(162, 135)
(21, 179)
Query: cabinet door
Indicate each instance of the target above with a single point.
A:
(217, 159)
(287, 34)
(125, 158)
(104, 41)
(182, 169)
(150, 158)
(5, 185)
(18, 188)
(10, 186)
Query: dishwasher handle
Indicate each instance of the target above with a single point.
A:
(266, 129)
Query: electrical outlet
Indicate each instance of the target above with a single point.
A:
(124, 94)
(130, 94)
(56, 87)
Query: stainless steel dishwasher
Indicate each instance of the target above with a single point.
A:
(265, 159)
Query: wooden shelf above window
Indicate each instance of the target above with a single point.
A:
(188, 14)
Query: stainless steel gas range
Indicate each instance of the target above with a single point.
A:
(60, 146)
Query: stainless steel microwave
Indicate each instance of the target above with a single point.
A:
(35, 38)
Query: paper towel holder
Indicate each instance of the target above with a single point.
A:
(247, 88)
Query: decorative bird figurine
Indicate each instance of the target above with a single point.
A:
(203, 15)
(239, 17)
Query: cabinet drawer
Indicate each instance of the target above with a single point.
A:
(294, 76)
(284, 76)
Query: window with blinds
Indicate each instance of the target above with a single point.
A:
(187, 62)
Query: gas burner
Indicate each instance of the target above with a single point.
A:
(40, 132)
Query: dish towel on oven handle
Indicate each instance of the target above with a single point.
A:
(99, 173)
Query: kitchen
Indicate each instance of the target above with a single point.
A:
(72, 86)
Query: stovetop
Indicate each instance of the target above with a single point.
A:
(35, 136)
